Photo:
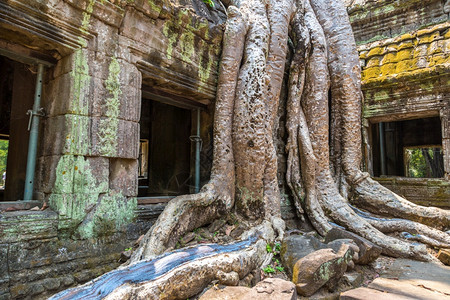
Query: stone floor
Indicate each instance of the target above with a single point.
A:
(405, 279)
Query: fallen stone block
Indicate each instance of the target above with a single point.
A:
(322, 267)
(295, 247)
(363, 293)
(397, 287)
(444, 256)
(368, 251)
(268, 289)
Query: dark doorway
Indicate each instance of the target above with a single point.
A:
(165, 149)
(17, 84)
(411, 148)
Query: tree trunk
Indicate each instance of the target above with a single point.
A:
(323, 146)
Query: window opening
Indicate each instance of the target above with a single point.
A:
(424, 162)
(410, 148)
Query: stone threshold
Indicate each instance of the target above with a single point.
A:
(19, 205)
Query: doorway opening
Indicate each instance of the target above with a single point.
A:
(17, 86)
(410, 148)
(165, 149)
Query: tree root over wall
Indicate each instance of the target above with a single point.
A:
(324, 154)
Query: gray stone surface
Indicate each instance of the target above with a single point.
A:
(368, 251)
(319, 268)
(268, 289)
(295, 247)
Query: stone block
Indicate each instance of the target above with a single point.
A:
(368, 252)
(68, 94)
(91, 175)
(124, 176)
(67, 280)
(112, 137)
(444, 256)
(321, 267)
(445, 123)
(67, 134)
(27, 255)
(363, 293)
(446, 149)
(128, 101)
(27, 225)
(4, 272)
(19, 291)
(397, 288)
(51, 284)
(268, 289)
(36, 289)
(60, 179)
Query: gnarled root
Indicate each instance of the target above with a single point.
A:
(182, 214)
(179, 274)
(374, 197)
(313, 142)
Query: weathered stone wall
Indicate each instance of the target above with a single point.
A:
(381, 19)
(104, 53)
(404, 49)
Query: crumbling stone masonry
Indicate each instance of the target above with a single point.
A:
(103, 54)
(106, 56)
(404, 48)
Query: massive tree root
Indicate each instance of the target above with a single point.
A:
(326, 59)
(324, 156)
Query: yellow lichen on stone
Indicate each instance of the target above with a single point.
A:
(404, 54)
(363, 54)
(370, 73)
(373, 62)
(439, 59)
(405, 66)
(388, 69)
(376, 51)
(405, 45)
(428, 38)
(389, 58)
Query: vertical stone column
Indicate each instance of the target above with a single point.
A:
(88, 168)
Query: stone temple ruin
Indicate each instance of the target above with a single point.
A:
(124, 123)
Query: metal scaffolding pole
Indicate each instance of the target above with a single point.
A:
(33, 127)
(197, 154)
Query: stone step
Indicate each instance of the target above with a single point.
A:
(406, 289)
(364, 293)
(384, 288)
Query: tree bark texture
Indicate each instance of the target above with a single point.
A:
(324, 128)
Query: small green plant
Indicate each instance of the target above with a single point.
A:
(215, 233)
(129, 249)
(279, 268)
(277, 247)
(269, 248)
(209, 2)
(269, 270)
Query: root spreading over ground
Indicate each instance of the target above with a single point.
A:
(323, 147)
